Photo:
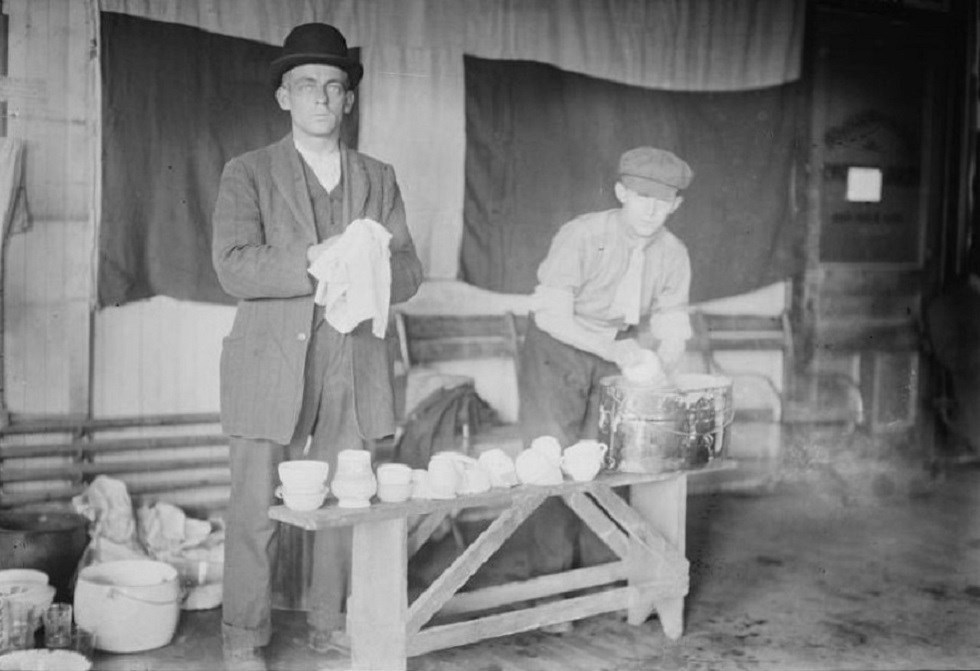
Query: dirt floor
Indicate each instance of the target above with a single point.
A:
(867, 571)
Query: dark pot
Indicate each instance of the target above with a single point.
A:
(52, 542)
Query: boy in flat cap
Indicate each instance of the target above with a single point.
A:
(605, 274)
(289, 378)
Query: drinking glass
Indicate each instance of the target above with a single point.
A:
(57, 626)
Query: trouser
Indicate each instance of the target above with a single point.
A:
(328, 417)
(559, 388)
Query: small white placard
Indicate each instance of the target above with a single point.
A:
(864, 185)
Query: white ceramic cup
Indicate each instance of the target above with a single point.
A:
(421, 487)
(500, 466)
(475, 480)
(548, 446)
(444, 476)
(535, 468)
(583, 460)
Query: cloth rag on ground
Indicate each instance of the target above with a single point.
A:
(354, 278)
(161, 532)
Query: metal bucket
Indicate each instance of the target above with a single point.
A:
(131, 605)
(52, 542)
(651, 429)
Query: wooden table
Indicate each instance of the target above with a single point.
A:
(647, 536)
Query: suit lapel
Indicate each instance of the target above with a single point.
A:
(355, 185)
(287, 175)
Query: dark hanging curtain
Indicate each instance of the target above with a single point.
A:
(177, 103)
(542, 147)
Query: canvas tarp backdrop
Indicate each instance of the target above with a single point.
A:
(412, 98)
(543, 145)
(177, 104)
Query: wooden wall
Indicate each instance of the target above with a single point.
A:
(61, 357)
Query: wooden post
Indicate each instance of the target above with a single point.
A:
(664, 505)
(378, 602)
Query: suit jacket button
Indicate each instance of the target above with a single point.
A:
(301, 337)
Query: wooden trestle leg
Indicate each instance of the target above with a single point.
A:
(377, 607)
(664, 506)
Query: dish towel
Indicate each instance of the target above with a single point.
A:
(354, 278)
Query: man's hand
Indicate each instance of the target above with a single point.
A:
(313, 252)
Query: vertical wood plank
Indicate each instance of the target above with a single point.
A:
(378, 604)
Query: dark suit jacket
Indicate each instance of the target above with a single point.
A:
(262, 225)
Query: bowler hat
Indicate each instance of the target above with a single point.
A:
(316, 43)
(653, 172)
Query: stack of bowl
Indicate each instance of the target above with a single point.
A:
(394, 482)
(304, 483)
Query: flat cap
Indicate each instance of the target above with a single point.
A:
(654, 172)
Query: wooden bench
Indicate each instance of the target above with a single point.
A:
(802, 396)
(647, 535)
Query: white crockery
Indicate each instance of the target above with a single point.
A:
(534, 468)
(303, 501)
(500, 467)
(475, 480)
(394, 492)
(303, 474)
(445, 475)
(548, 446)
(23, 575)
(583, 460)
(421, 487)
(395, 474)
(355, 483)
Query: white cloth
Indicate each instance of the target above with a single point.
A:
(354, 278)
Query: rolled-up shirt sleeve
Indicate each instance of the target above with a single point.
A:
(564, 266)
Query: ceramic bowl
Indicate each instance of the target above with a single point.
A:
(303, 474)
(304, 501)
(394, 492)
(41, 659)
(23, 575)
(32, 597)
(301, 489)
(394, 474)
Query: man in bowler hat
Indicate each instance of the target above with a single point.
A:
(606, 276)
(291, 384)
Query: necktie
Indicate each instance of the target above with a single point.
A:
(630, 289)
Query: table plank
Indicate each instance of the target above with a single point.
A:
(503, 624)
(330, 515)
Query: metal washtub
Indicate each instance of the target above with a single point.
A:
(651, 429)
